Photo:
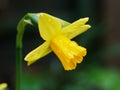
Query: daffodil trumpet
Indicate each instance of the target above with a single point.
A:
(57, 34)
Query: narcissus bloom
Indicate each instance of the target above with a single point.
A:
(3, 86)
(57, 34)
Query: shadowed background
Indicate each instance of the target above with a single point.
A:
(99, 69)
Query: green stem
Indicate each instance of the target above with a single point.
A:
(18, 61)
(31, 19)
(18, 68)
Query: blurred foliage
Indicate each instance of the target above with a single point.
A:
(93, 78)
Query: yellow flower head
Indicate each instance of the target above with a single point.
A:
(3, 86)
(57, 34)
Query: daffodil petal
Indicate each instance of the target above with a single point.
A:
(75, 33)
(63, 22)
(76, 28)
(38, 53)
(48, 26)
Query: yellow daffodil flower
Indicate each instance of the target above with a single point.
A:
(57, 34)
(3, 86)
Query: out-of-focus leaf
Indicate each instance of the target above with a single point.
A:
(95, 78)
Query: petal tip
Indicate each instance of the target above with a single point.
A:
(86, 19)
(89, 26)
(26, 58)
(28, 61)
